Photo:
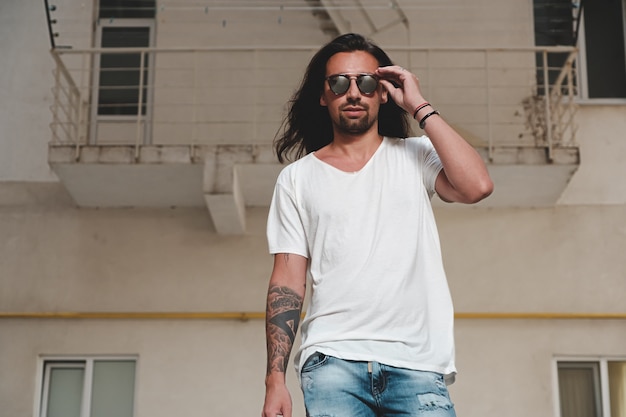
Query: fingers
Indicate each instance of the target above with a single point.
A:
(391, 69)
(396, 75)
(402, 85)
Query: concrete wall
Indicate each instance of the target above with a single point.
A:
(436, 24)
(26, 83)
(55, 257)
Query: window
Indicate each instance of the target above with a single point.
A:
(123, 77)
(121, 81)
(594, 388)
(603, 50)
(88, 387)
(120, 75)
(598, 27)
(554, 24)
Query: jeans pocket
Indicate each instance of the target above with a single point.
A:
(314, 361)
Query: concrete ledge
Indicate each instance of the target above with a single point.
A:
(228, 178)
(533, 156)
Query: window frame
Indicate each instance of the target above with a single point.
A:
(85, 362)
(144, 120)
(602, 362)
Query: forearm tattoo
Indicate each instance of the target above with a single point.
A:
(284, 306)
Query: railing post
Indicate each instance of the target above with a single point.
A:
(570, 96)
(74, 114)
(489, 124)
(81, 115)
(140, 104)
(55, 104)
(255, 60)
(547, 93)
(194, 113)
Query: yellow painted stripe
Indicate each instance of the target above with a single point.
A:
(244, 316)
(133, 315)
(543, 316)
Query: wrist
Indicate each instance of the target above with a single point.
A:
(275, 378)
(422, 122)
(421, 108)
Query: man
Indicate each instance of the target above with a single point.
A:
(354, 216)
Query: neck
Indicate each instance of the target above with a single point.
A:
(356, 146)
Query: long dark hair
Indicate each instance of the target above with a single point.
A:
(307, 126)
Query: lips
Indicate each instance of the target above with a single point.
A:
(352, 111)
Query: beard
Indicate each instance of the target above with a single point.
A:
(355, 126)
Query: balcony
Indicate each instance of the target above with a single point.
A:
(195, 126)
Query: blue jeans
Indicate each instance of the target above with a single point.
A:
(335, 387)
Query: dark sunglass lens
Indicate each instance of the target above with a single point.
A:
(367, 84)
(339, 84)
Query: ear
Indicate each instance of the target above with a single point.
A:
(384, 96)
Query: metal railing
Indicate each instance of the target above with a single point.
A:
(495, 97)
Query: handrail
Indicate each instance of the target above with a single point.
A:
(71, 113)
(61, 66)
(295, 48)
(244, 316)
(555, 96)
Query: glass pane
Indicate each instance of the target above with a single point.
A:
(554, 22)
(127, 9)
(65, 392)
(579, 389)
(120, 73)
(604, 46)
(617, 388)
(554, 25)
(113, 390)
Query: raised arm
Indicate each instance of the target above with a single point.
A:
(464, 177)
(284, 305)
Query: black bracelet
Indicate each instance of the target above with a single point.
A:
(423, 121)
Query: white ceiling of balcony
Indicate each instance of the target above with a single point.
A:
(113, 178)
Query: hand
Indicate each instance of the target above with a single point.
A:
(407, 94)
(277, 401)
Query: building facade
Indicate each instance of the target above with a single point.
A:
(136, 169)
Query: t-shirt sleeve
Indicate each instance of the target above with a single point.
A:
(432, 167)
(285, 232)
(430, 162)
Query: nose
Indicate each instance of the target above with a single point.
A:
(353, 90)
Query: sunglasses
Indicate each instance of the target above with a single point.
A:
(340, 83)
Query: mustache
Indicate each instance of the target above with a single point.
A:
(354, 103)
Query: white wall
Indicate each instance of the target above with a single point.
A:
(453, 23)
(25, 82)
(56, 257)
(602, 139)
(506, 367)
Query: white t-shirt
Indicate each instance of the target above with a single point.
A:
(378, 286)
